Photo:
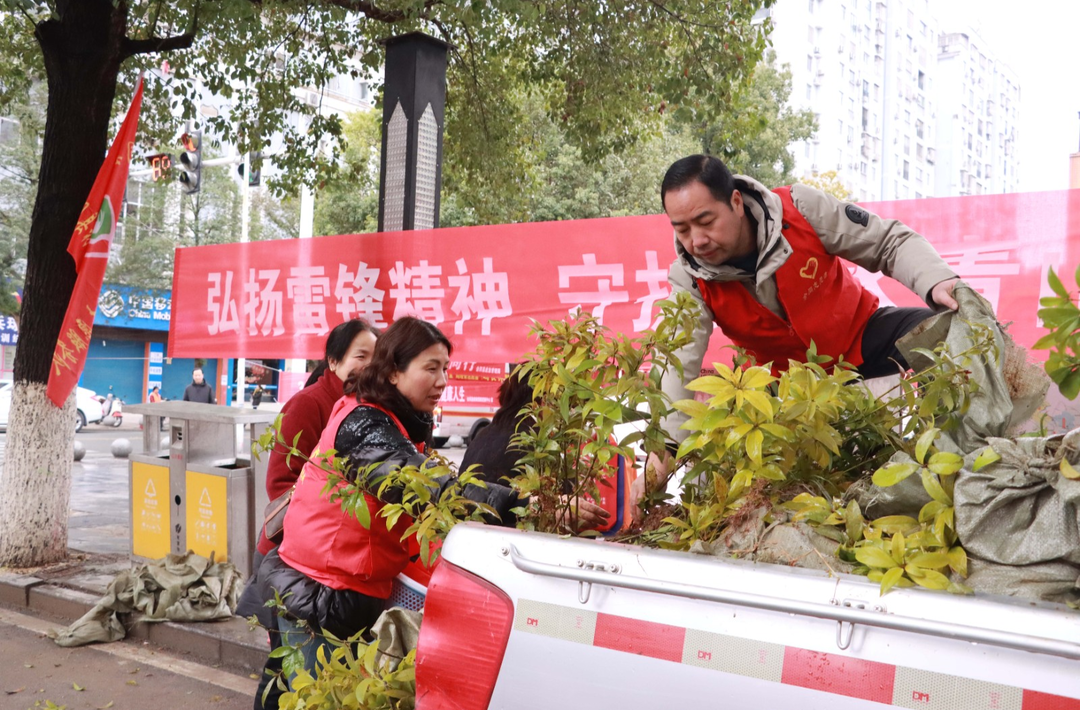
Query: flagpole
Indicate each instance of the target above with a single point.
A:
(245, 224)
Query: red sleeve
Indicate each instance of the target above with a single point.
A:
(300, 415)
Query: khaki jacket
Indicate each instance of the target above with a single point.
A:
(881, 245)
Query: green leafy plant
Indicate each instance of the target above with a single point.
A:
(432, 517)
(759, 435)
(354, 675)
(797, 440)
(931, 544)
(586, 381)
(1061, 316)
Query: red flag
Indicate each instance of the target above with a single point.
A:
(89, 247)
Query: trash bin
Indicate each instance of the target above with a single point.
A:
(191, 489)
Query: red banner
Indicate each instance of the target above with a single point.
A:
(472, 386)
(484, 286)
(89, 247)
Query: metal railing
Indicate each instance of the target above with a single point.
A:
(840, 614)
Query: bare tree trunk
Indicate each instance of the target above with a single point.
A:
(81, 46)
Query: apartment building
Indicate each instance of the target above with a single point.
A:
(977, 111)
(871, 71)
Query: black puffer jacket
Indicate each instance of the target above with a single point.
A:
(367, 436)
(342, 612)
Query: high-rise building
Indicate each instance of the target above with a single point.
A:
(978, 101)
(871, 73)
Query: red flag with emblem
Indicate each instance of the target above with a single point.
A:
(89, 247)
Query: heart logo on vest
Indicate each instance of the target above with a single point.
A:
(810, 270)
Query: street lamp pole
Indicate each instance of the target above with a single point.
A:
(245, 225)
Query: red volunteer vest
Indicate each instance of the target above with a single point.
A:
(823, 301)
(328, 545)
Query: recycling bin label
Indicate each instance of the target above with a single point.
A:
(149, 510)
(207, 519)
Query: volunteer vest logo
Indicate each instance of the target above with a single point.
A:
(809, 271)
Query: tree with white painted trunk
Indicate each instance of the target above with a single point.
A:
(33, 526)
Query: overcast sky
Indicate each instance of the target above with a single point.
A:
(1039, 40)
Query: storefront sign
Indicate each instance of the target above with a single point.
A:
(127, 307)
(9, 331)
(155, 366)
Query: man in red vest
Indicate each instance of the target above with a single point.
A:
(764, 265)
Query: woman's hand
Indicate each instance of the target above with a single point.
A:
(588, 515)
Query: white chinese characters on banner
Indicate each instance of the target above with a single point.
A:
(308, 287)
(358, 296)
(655, 279)
(982, 266)
(453, 394)
(262, 303)
(221, 304)
(417, 291)
(605, 275)
(488, 297)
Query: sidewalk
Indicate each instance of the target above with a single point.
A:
(99, 540)
(99, 530)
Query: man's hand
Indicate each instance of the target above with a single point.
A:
(655, 474)
(942, 294)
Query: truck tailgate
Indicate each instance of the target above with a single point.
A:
(601, 625)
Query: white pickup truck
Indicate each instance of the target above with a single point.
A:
(522, 620)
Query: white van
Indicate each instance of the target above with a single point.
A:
(469, 401)
(456, 420)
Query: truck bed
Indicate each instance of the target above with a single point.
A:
(603, 625)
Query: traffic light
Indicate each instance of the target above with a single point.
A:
(255, 160)
(191, 162)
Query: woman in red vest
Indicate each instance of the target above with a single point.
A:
(331, 571)
(348, 350)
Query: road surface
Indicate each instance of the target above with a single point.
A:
(127, 675)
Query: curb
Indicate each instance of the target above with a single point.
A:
(230, 643)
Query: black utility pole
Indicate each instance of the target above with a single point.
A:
(414, 99)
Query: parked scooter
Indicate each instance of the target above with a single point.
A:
(111, 410)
